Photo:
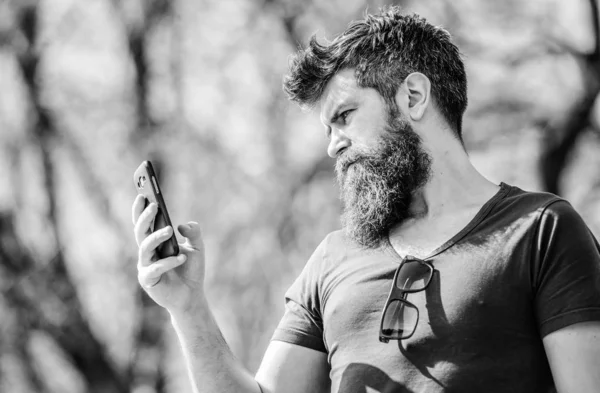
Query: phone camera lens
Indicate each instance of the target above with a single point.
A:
(141, 181)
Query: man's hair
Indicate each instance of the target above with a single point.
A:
(383, 50)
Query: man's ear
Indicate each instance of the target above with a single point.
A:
(414, 95)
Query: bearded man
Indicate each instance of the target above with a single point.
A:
(440, 281)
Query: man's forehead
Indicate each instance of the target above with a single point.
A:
(342, 86)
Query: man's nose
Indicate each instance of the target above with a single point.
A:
(338, 142)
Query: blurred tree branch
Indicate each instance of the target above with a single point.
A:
(289, 11)
(45, 299)
(35, 287)
(138, 18)
(24, 318)
(562, 134)
(94, 363)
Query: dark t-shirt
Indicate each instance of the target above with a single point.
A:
(525, 266)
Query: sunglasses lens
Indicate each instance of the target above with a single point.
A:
(399, 320)
(413, 276)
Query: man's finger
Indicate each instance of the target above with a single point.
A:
(191, 231)
(143, 225)
(150, 275)
(151, 242)
(138, 207)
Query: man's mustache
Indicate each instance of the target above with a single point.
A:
(348, 158)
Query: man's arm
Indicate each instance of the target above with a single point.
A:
(293, 369)
(213, 368)
(566, 272)
(177, 284)
(210, 363)
(574, 356)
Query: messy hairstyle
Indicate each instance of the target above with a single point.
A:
(383, 50)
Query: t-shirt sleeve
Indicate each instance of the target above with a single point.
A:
(567, 270)
(302, 323)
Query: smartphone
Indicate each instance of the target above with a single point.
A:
(146, 182)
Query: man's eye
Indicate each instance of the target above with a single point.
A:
(344, 115)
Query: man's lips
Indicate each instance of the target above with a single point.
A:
(343, 166)
(346, 160)
(349, 163)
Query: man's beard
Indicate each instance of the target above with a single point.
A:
(377, 185)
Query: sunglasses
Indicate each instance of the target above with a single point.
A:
(400, 317)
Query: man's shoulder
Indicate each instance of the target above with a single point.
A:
(335, 242)
(518, 207)
(337, 237)
(523, 201)
(337, 247)
(327, 251)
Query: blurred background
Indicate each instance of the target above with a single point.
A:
(90, 88)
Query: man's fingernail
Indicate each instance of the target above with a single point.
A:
(181, 257)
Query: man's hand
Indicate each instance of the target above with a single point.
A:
(174, 283)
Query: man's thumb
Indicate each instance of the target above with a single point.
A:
(191, 231)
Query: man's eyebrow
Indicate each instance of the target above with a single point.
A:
(336, 112)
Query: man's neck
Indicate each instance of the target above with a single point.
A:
(454, 184)
(454, 194)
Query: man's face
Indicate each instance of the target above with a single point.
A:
(380, 160)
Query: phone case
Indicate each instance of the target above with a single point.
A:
(146, 183)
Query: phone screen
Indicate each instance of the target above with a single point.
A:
(146, 183)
